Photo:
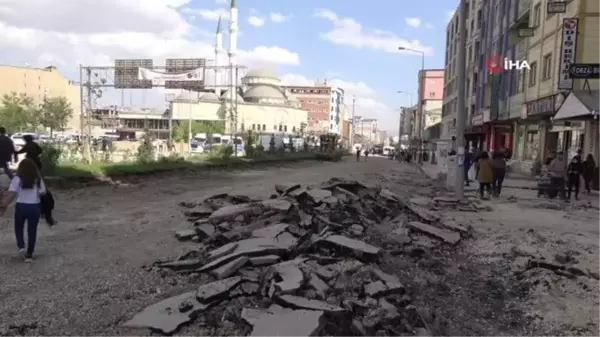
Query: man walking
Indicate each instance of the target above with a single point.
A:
(7, 152)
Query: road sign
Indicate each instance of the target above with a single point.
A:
(126, 74)
(584, 70)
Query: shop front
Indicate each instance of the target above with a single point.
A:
(534, 126)
(475, 134)
(579, 127)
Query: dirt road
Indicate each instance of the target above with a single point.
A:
(87, 276)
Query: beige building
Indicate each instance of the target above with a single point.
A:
(546, 88)
(39, 83)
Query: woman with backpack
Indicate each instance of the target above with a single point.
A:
(27, 187)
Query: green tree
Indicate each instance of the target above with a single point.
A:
(55, 113)
(145, 152)
(17, 112)
(181, 129)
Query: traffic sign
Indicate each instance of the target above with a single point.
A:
(584, 70)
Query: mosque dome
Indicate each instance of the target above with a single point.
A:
(209, 96)
(227, 96)
(260, 76)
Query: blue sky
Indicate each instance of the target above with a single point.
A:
(352, 41)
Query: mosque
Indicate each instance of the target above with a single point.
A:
(257, 102)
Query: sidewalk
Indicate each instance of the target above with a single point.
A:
(517, 181)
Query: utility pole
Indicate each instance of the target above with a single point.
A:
(461, 114)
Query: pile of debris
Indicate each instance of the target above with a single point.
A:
(297, 262)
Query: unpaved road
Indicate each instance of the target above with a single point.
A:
(87, 277)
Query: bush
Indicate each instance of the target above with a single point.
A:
(50, 157)
(146, 149)
(226, 152)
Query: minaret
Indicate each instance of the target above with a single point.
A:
(218, 49)
(233, 36)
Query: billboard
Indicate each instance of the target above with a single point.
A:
(179, 66)
(126, 74)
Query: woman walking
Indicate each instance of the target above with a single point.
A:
(588, 172)
(485, 174)
(26, 187)
(499, 171)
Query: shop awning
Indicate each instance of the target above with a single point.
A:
(580, 104)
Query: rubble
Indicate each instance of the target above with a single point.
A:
(298, 261)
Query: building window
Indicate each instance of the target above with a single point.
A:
(274, 127)
(546, 67)
(253, 127)
(280, 127)
(537, 15)
(264, 127)
(432, 94)
(293, 129)
(285, 128)
(521, 81)
(533, 74)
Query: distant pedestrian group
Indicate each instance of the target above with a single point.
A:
(28, 189)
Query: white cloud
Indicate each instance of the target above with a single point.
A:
(209, 14)
(114, 30)
(367, 104)
(256, 21)
(413, 22)
(349, 32)
(278, 17)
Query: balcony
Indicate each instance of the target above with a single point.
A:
(522, 19)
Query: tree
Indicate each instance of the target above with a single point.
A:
(17, 112)
(181, 129)
(55, 113)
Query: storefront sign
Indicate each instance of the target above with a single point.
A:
(556, 6)
(545, 106)
(584, 70)
(568, 52)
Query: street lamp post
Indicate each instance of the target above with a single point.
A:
(421, 114)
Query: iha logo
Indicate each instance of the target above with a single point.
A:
(496, 64)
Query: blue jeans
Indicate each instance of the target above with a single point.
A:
(29, 213)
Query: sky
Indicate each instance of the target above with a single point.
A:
(352, 43)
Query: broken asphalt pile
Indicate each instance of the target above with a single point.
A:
(293, 265)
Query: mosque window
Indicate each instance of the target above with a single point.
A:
(274, 127)
(285, 128)
(264, 127)
(280, 127)
(253, 127)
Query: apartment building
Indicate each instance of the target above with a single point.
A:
(366, 128)
(324, 105)
(449, 103)
(431, 95)
(38, 83)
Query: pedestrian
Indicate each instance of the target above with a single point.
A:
(467, 166)
(556, 169)
(26, 187)
(32, 151)
(358, 154)
(7, 152)
(366, 154)
(588, 172)
(485, 174)
(574, 170)
(499, 171)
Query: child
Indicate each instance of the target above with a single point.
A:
(26, 187)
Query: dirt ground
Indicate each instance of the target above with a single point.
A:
(88, 278)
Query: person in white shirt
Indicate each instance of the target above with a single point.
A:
(26, 187)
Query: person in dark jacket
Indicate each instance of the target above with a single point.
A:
(32, 151)
(588, 172)
(467, 166)
(499, 171)
(574, 170)
(7, 152)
